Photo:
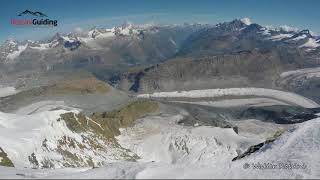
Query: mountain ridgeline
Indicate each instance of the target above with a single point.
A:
(232, 54)
(147, 58)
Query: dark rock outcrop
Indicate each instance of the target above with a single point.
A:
(257, 147)
(4, 160)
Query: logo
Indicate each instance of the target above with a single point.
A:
(25, 20)
(286, 165)
(37, 13)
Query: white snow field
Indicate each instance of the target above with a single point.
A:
(16, 53)
(311, 43)
(280, 37)
(21, 135)
(160, 139)
(171, 151)
(40, 132)
(287, 97)
(43, 106)
(7, 91)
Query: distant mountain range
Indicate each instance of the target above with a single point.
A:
(233, 36)
(246, 52)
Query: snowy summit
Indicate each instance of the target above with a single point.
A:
(246, 21)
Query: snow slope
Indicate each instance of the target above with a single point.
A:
(201, 152)
(7, 91)
(246, 21)
(261, 92)
(311, 43)
(300, 146)
(16, 53)
(160, 139)
(44, 106)
(42, 46)
(280, 37)
(20, 136)
(303, 36)
(44, 136)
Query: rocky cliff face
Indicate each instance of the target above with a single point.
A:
(4, 160)
(230, 54)
(242, 69)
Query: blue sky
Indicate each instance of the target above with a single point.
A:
(107, 13)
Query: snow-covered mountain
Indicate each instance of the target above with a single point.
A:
(301, 39)
(126, 45)
(243, 35)
(171, 151)
(97, 38)
(45, 140)
(50, 134)
(12, 49)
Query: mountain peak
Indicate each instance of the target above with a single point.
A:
(246, 21)
(234, 25)
(10, 41)
(126, 24)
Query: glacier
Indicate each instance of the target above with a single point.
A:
(260, 92)
(185, 153)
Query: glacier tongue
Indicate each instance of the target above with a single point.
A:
(288, 97)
